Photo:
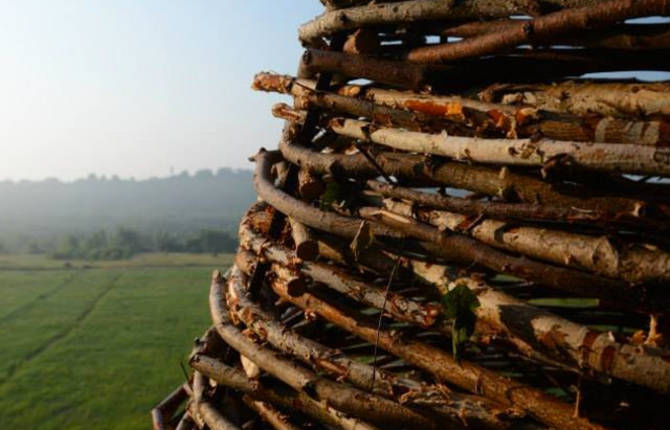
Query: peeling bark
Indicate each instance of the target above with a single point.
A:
(557, 23)
(619, 100)
(518, 211)
(461, 249)
(309, 186)
(457, 248)
(269, 414)
(401, 308)
(306, 248)
(503, 183)
(466, 375)
(185, 423)
(282, 396)
(642, 159)
(529, 328)
(214, 419)
(349, 400)
(519, 68)
(560, 338)
(632, 262)
(478, 412)
(426, 112)
(163, 411)
(381, 13)
(622, 36)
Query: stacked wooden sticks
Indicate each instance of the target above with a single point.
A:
(473, 236)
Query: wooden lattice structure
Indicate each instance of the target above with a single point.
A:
(458, 230)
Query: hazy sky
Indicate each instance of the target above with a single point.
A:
(134, 87)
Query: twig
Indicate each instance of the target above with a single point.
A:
(381, 317)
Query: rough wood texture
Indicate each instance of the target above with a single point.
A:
(460, 229)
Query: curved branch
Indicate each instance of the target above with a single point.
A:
(632, 262)
(278, 395)
(619, 100)
(302, 211)
(519, 211)
(408, 11)
(269, 414)
(474, 410)
(464, 250)
(504, 183)
(457, 248)
(416, 111)
(559, 337)
(162, 412)
(535, 328)
(557, 23)
(466, 375)
(349, 400)
(642, 159)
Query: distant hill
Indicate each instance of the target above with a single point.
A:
(43, 211)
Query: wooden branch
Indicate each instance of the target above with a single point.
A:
(277, 395)
(163, 411)
(186, 422)
(477, 411)
(549, 25)
(534, 328)
(269, 414)
(396, 305)
(466, 375)
(503, 183)
(556, 336)
(457, 248)
(260, 246)
(375, 14)
(476, 8)
(521, 120)
(309, 186)
(427, 112)
(346, 399)
(407, 11)
(623, 36)
(642, 159)
(214, 419)
(632, 262)
(620, 100)
(305, 96)
(521, 67)
(464, 250)
(517, 211)
(301, 211)
(306, 248)
(284, 111)
(330, 247)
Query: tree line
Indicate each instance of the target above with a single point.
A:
(108, 217)
(126, 242)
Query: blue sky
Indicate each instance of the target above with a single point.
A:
(134, 87)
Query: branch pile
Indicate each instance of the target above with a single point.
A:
(458, 229)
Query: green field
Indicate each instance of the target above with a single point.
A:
(96, 347)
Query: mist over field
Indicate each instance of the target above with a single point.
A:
(37, 216)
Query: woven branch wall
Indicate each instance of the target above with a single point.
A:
(458, 229)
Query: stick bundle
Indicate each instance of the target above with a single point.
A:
(478, 236)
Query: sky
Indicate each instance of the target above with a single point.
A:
(140, 88)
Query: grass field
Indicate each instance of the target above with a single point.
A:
(97, 347)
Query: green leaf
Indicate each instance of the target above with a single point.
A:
(332, 194)
(339, 193)
(459, 305)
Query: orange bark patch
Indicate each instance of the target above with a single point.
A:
(607, 358)
(436, 109)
